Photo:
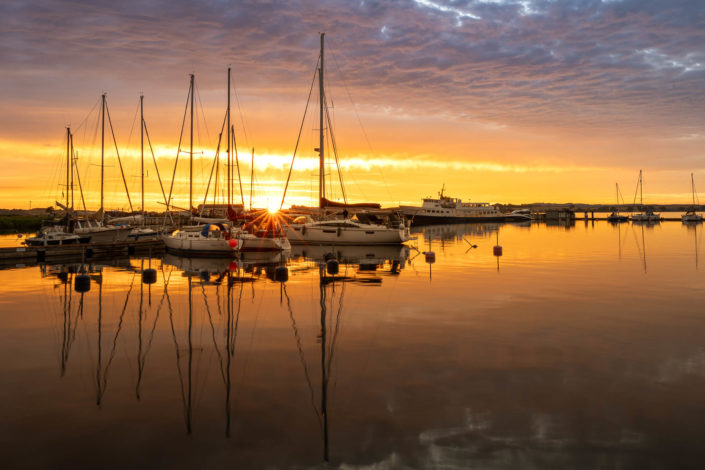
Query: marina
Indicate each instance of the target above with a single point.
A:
(416, 235)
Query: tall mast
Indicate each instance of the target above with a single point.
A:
(102, 151)
(321, 166)
(72, 167)
(190, 164)
(692, 185)
(252, 176)
(68, 162)
(229, 177)
(142, 148)
(641, 190)
(237, 164)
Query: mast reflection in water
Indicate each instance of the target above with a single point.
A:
(572, 355)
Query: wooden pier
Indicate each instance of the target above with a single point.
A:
(80, 252)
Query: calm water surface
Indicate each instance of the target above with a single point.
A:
(579, 347)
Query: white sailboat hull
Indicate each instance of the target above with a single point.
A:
(319, 234)
(249, 242)
(200, 246)
(646, 218)
(692, 218)
(109, 234)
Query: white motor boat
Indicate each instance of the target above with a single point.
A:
(56, 238)
(446, 209)
(101, 233)
(143, 234)
(304, 230)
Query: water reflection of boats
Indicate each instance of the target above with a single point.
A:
(82, 276)
(72, 303)
(251, 263)
(225, 357)
(331, 296)
(368, 257)
(694, 228)
(457, 232)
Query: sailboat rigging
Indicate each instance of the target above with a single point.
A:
(691, 216)
(615, 216)
(329, 228)
(648, 214)
(219, 237)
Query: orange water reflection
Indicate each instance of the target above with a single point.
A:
(579, 345)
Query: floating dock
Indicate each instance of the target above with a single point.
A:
(82, 252)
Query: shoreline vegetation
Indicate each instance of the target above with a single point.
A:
(20, 223)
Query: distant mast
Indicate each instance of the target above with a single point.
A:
(321, 169)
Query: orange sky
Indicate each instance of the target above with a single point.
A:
(423, 93)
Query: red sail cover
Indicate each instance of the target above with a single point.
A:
(238, 216)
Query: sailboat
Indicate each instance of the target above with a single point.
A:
(144, 233)
(261, 231)
(615, 216)
(349, 230)
(57, 234)
(691, 216)
(210, 239)
(648, 214)
(94, 225)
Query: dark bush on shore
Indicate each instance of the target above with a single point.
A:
(20, 223)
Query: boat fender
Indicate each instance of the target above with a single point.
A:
(339, 231)
(332, 267)
(233, 243)
(82, 283)
(281, 274)
(303, 230)
(149, 276)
